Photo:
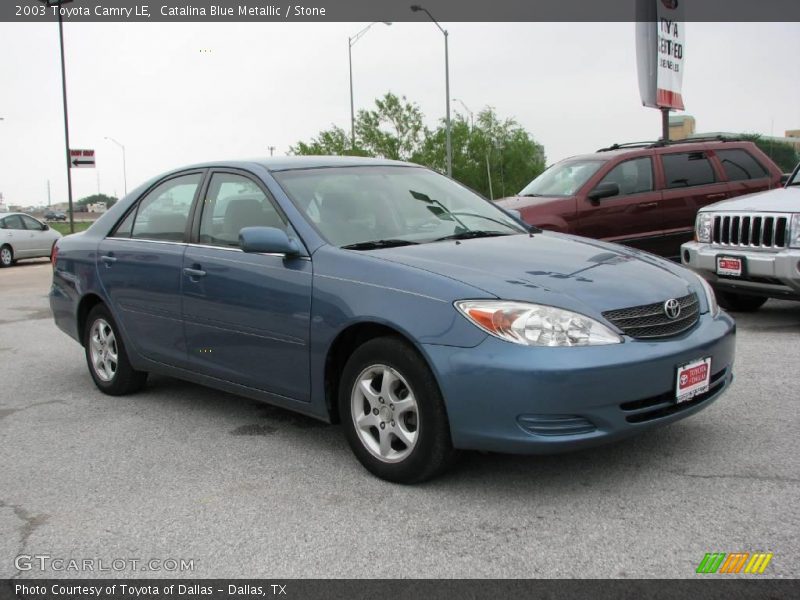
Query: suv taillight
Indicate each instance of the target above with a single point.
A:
(54, 255)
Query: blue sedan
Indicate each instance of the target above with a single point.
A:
(389, 298)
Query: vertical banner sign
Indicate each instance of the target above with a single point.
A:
(660, 52)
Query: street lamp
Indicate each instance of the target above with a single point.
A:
(124, 166)
(351, 41)
(417, 8)
(58, 4)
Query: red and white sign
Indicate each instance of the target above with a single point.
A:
(693, 379)
(660, 52)
(729, 265)
(81, 159)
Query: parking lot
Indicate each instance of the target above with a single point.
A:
(183, 472)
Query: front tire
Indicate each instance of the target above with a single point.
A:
(6, 256)
(740, 302)
(393, 414)
(106, 356)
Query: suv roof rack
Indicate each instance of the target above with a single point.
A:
(662, 143)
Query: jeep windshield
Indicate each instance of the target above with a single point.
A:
(562, 179)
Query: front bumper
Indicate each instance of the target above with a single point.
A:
(507, 398)
(767, 273)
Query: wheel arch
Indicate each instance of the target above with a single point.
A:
(87, 303)
(343, 346)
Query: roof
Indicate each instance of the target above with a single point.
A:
(287, 163)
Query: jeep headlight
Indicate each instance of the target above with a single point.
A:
(703, 227)
(535, 324)
(794, 232)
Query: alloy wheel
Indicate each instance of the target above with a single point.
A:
(103, 350)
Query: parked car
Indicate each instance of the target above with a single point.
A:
(749, 248)
(643, 195)
(22, 236)
(54, 215)
(390, 298)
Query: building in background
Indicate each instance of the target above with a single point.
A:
(99, 207)
(682, 127)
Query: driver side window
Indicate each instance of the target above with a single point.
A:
(632, 176)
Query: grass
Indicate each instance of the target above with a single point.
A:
(63, 227)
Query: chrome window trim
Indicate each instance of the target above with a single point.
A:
(191, 245)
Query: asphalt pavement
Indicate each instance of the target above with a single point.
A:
(241, 489)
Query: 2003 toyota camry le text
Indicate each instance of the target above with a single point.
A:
(389, 298)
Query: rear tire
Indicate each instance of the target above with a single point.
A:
(106, 356)
(739, 302)
(6, 256)
(393, 413)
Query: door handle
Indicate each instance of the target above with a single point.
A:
(194, 272)
(108, 260)
(715, 196)
(648, 205)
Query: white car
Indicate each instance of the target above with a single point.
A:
(22, 236)
(748, 248)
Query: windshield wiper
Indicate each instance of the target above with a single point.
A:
(375, 244)
(474, 233)
(532, 195)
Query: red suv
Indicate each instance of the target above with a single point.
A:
(644, 195)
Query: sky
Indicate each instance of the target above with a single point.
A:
(180, 93)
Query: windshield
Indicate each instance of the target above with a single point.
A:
(353, 206)
(562, 179)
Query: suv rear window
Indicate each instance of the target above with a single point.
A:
(687, 169)
(740, 165)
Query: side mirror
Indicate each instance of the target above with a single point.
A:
(267, 240)
(45, 226)
(604, 190)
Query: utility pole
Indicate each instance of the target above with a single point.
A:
(57, 4)
(351, 41)
(48, 193)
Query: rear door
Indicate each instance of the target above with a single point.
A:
(15, 234)
(690, 182)
(630, 218)
(140, 266)
(247, 316)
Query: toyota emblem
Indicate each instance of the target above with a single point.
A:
(672, 308)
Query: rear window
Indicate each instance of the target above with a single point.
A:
(740, 165)
(687, 169)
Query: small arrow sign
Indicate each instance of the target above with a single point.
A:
(82, 159)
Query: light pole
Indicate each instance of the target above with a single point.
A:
(124, 165)
(417, 8)
(58, 4)
(351, 41)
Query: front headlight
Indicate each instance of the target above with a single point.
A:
(711, 297)
(536, 324)
(703, 227)
(794, 232)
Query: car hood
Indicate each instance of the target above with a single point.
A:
(550, 268)
(777, 200)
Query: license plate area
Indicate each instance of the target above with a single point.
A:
(730, 266)
(692, 379)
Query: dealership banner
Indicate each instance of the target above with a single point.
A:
(660, 52)
(402, 589)
(220, 11)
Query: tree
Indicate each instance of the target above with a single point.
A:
(782, 154)
(81, 204)
(494, 157)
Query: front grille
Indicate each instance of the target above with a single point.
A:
(663, 405)
(555, 424)
(751, 230)
(651, 321)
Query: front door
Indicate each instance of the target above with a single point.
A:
(247, 316)
(40, 241)
(140, 266)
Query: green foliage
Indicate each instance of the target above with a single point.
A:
(782, 154)
(395, 130)
(80, 205)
